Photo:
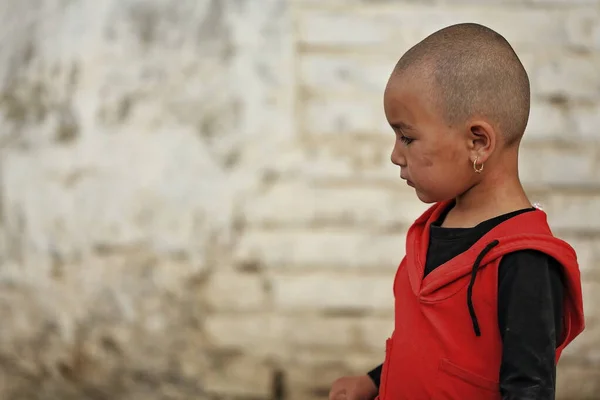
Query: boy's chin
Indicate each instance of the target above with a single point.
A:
(427, 198)
(424, 197)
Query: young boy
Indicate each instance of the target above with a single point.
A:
(486, 297)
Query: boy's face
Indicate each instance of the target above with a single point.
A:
(433, 157)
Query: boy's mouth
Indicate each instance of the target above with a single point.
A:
(408, 181)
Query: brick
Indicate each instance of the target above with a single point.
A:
(351, 161)
(374, 331)
(565, 167)
(333, 116)
(566, 3)
(403, 26)
(301, 204)
(341, 249)
(311, 357)
(550, 3)
(352, 361)
(546, 121)
(346, 73)
(258, 334)
(321, 163)
(321, 332)
(587, 121)
(324, 163)
(364, 155)
(587, 255)
(591, 302)
(362, 362)
(310, 373)
(570, 76)
(577, 382)
(310, 381)
(243, 377)
(339, 332)
(339, 28)
(337, 4)
(320, 290)
(226, 291)
(583, 26)
(88, 201)
(325, 362)
(574, 212)
(585, 347)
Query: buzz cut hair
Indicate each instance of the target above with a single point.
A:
(475, 73)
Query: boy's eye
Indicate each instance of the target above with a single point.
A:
(405, 140)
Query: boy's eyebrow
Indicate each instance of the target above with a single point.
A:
(401, 126)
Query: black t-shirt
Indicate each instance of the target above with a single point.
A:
(530, 301)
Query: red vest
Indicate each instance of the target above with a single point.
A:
(446, 342)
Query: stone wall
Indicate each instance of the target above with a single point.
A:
(196, 200)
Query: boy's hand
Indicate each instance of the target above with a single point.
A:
(353, 388)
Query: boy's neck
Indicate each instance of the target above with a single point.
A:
(496, 195)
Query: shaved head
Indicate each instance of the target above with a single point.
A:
(474, 72)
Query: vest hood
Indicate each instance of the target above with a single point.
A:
(526, 231)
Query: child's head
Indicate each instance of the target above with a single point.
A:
(458, 101)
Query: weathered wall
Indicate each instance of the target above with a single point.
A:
(196, 195)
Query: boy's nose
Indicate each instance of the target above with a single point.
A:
(397, 157)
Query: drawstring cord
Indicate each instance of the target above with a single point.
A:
(486, 250)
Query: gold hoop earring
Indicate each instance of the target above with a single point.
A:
(477, 169)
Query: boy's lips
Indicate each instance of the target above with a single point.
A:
(408, 181)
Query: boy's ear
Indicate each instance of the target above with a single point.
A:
(482, 140)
